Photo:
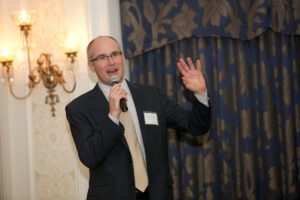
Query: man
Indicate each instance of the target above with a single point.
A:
(126, 152)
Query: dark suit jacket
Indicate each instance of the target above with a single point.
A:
(102, 147)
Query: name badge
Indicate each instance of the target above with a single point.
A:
(150, 118)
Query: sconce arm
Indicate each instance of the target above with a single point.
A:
(18, 97)
(74, 85)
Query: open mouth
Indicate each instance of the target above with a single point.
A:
(112, 71)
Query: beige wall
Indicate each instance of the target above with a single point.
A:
(37, 155)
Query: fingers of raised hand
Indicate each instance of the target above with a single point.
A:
(191, 64)
(182, 66)
(198, 65)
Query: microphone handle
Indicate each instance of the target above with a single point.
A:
(123, 105)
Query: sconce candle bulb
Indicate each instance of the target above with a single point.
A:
(6, 59)
(6, 55)
(24, 17)
(71, 48)
(70, 45)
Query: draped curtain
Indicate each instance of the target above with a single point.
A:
(250, 54)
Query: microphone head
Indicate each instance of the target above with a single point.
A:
(114, 79)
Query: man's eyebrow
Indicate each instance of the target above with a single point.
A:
(103, 54)
(96, 56)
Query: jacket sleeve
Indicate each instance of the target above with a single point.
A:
(195, 121)
(93, 140)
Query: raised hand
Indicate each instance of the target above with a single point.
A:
(192, 76)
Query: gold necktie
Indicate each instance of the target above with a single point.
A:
(140, 172)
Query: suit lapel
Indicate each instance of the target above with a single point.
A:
(99, 102)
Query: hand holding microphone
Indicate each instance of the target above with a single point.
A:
(117, 97)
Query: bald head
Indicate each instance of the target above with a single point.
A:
(89, 51)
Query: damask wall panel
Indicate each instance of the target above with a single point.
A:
(53, 158)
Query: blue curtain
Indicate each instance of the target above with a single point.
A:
(253, 148)
(150, 24)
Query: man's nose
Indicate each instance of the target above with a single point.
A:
(110, 60)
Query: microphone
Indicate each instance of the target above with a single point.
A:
(123, 105)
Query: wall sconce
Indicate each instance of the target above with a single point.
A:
(46, 72)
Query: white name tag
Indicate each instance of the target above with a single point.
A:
(150, 118)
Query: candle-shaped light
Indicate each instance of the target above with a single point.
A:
(6, 55)
(70, 45)
(71, 48)
(6, 59)
(24, 17)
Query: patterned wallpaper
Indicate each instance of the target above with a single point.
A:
(53, 150)
(54, 165)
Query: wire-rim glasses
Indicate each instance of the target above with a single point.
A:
(104, 58)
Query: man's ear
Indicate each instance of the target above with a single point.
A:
(91, 67)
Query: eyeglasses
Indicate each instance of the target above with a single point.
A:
(104, 58)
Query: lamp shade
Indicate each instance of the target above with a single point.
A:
(6, 55)
(24, 17)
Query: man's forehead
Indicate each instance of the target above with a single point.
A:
(105, 44)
